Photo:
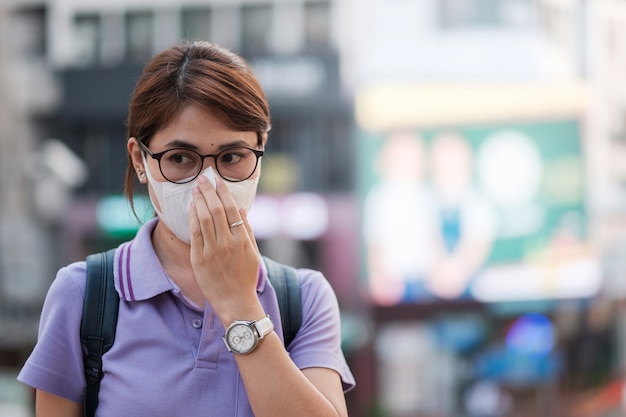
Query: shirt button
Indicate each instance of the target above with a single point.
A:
(196, 323)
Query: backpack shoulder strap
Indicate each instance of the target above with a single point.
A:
(99, 321)
(286, 283)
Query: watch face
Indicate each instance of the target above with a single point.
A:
(241, 338)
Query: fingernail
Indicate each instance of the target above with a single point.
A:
(195, 189)
(202, 179)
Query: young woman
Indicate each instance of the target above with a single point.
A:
(197, 126)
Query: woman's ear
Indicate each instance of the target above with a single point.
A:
(137, 160)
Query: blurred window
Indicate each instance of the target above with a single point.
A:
(139, 35)
(196, 23)
(317, 24)
(87, 39)
(466, 13)
(321, 144)
(256, 27)
(28, 29)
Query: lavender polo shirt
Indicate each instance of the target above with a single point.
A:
(168, 358)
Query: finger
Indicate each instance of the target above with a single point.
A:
(231, 210)
(248, 228)
(204, 216)
(216, 206)
(195, 231)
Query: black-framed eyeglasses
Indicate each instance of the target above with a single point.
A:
(182, 165)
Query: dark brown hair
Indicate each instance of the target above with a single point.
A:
(195, 73)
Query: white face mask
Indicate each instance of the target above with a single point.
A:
(175, 199)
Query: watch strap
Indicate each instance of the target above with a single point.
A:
(264, 326)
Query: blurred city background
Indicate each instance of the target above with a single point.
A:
(456, 168)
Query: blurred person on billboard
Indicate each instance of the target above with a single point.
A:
(427, 229)
(466, 223)
(398, 221)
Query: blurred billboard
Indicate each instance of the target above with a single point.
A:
(487, 204)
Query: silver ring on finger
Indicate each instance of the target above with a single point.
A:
(238, 223)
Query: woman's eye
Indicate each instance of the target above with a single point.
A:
(230, 157)
(181, 158)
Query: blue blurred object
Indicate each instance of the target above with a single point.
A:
(517, 367)
(527, 356)
(531, 333)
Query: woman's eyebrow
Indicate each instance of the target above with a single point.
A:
(180, 143)
(233, 143)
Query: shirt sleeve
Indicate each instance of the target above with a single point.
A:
(318, 342)
(56, 362)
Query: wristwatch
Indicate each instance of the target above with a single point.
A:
(242, 337)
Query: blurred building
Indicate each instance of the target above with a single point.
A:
(26, 248)
(591, 37)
